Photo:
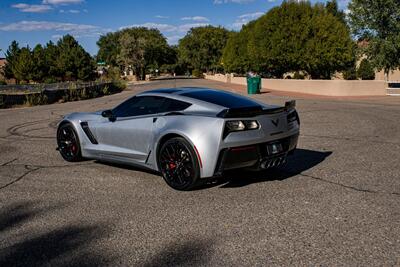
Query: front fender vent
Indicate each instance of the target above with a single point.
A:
(89, 134)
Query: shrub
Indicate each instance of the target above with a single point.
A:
(119, 85)
(113, 74)
(298, 76)
(35, 99)
(197, 73)
(366, 71)
(350, 74)
(3, 82)
(106, 90)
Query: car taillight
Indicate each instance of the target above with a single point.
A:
(293, 116)
(240, 125)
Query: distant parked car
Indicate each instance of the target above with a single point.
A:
(184, 133)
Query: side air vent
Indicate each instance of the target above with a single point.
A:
(89, 134)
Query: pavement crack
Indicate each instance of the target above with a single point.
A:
(349, 139)
(349, 186)
(19, 177)
(33, 168)
(8, 162)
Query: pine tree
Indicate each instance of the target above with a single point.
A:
(11, 57)
(23, 65)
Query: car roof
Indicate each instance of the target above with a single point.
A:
(213, 96)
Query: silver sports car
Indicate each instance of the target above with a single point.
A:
(184, 133)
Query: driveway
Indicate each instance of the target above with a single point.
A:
(337, 202)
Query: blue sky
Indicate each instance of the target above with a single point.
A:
(38, 21)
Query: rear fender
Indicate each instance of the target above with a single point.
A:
(203, 133)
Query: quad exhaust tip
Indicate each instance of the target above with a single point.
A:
(271, 163)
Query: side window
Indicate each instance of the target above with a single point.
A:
(140, 105)
(174, 105)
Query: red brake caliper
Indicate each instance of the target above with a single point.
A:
(172, 166)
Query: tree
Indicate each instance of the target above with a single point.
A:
(62, 62)
(295, 36)
(171, 64)
(23, 65)
(235, 55)
(109, 48)
(202, 48)
(11, 57)
(132, 53)
(378, 22)
(333, 8)
(366, 70)
(137, 48)
(54, 74)
(73, 62)
(41, 67)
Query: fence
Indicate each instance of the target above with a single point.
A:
(38, 94)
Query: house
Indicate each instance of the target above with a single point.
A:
(2, 64)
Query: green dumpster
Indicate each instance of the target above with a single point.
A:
(253, 85)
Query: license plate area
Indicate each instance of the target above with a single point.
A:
(274, 148)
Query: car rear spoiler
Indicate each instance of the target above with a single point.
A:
(255, 111)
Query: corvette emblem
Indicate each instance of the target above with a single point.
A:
(275, 122)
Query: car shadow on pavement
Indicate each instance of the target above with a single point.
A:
(300, 161)
(128, 167)
(25, 244)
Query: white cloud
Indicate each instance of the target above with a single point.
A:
(167, 27)
(78, 30)
(172, 32)
(251, 16)
(196, 18)
(61, 2)
(32, 8)
(245, 18)
(161, 17)
(162, 27)
(218, 2)
(72, 11)
(174, 39)
(187, 27)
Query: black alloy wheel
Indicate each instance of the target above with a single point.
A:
(68, 143)
(178, 164)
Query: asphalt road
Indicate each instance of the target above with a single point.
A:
(337, 202)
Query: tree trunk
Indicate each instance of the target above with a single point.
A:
(387, 75)
(137, 74)
(144, 73)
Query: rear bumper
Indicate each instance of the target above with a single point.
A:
(257, 156)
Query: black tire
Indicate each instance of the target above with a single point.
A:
(178, 164)
(68, 143)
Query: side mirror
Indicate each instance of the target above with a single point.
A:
(108, 114)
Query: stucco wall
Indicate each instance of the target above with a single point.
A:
(314, 87)
(327, 87)
(217, 77)
(393, 76)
